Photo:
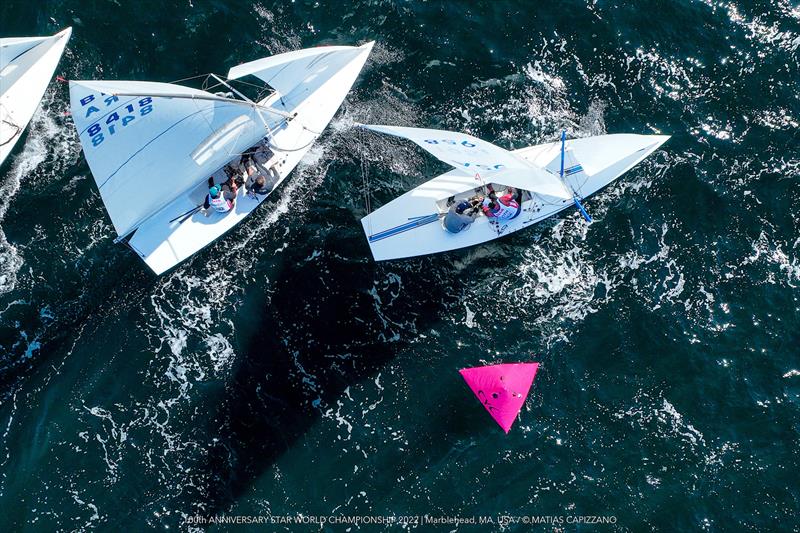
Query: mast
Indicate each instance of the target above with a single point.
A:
(575, 197)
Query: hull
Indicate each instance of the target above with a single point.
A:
(23, 82)
(163, 243)
(410, 225)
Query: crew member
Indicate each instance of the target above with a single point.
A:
(461, 215)
(220, 198)
(501, 208)
(258, 183)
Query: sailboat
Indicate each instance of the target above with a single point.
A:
(542, 180)
(155, 149)
(26, 66)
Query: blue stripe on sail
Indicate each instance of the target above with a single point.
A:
(415, 223)
(573, 170)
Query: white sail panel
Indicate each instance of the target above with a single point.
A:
(475, 156)
(23, 59)
(303, 70)
(24, 80)
(145, 151)
(460, 150)
(13, 47)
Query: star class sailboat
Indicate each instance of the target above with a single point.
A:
(155, 149)
(543, 180)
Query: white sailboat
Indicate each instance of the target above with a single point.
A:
(26, 66)
(545, 178)
(152, 147)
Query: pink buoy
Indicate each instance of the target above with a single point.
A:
(501, 389)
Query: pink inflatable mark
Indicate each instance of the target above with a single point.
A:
(501, 388)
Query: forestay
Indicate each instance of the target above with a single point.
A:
(144, 151)
(473, 156)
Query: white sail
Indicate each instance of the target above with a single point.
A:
(300, 71)
(144, 151)
(411, 225)
(476, 156)
(12, 48)
(26, 67)
(153, 146)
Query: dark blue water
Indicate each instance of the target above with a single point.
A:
(282, 371)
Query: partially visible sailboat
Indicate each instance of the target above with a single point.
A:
(544, 179)
(26, 66)
(154, 148)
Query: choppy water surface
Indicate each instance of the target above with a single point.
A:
(282, 371)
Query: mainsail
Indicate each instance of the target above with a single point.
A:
(11, 48)
(476, 156)
(26, 67)
(147, 148)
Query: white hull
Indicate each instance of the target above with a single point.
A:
(411, 225)
(23, 82)
(163, 244)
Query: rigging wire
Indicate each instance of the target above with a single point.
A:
(279, 149)
(207, 87)
(190, 78)
(366, 184)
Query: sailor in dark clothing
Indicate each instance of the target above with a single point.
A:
(258, 183)
(460, 216)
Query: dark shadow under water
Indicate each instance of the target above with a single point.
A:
(323, 330)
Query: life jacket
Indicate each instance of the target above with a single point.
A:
(505, 208)
(220, 204)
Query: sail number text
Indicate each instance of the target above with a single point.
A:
(120, 117)
(466, 144)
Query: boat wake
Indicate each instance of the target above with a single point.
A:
(36, 151)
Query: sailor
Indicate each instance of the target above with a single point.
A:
(220, 198)
(460, 216)
(258, 183)
(501, 208)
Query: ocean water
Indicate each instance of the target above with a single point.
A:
(282, 372)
